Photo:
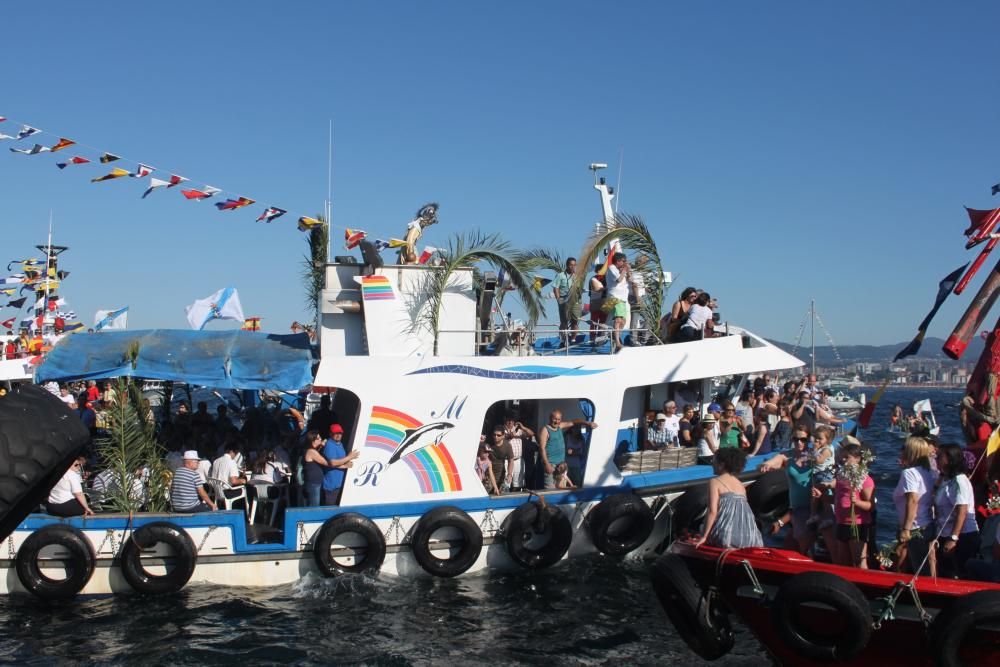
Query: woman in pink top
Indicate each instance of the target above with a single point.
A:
(852, 507)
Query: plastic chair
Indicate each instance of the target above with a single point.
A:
(227, 500)
(274, 495)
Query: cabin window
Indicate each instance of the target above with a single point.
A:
(519, 425)
(646, 442)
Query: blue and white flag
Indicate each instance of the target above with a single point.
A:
(106, 320)
(27, 131)
(223, 305)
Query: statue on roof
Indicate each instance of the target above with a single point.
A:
(426, 216)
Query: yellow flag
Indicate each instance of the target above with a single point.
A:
(993, 444)
(305, 224)
(115, 173)
(396, 243)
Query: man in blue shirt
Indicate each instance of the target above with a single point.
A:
(560, 290)
(338, 460)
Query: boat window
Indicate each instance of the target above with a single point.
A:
(519, 424)
(646, 443)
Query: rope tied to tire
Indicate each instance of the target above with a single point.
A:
(893, 597)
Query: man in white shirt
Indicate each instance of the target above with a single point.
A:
(66, 497)
(226, 469)
(67, 398)
(672, 422)
(618, 278)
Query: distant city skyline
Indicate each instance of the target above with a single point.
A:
(807, 152)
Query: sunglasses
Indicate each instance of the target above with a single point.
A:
(801, 439)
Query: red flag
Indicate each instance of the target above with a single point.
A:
(9, 323)
(201, 194)
(353, 237)
(426, 255)
(73, 160)
(233, 204)
(981, 225)
(63, 143)
(865, 417)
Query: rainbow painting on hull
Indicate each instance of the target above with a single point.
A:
(432, 465)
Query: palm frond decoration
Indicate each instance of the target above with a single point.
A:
(131, 449)
(314, 265)
(635, 238)
(468, 250)
(534, 261)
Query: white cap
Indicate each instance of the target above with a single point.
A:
(191, 455)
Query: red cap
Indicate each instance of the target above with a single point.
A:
(336, 428)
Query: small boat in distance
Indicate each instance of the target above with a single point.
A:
(922, 419)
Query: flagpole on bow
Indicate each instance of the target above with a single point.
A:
(329, 188)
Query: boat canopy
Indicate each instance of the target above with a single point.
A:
(223, 359)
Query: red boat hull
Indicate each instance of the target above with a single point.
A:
(902, 640)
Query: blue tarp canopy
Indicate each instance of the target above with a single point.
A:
(223, 359)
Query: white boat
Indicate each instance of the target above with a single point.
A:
(415, 408)
(923, 410)
(841, 402)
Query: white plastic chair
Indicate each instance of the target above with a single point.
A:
(226, 501)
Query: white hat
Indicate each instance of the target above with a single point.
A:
(661, 417)
(191, 455)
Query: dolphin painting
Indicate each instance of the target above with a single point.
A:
(414, 439)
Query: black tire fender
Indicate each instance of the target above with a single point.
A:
(698, 619)
(39, 438)
(446, 516)
(79, 565)
(768, 496)
(530, 520)
(147, 536)
(829, 590)
(614, 511)
(951, 629)
(690, 509)
(349, 522)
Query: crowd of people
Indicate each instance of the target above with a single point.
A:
(208, 460)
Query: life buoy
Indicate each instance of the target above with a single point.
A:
(690, 509)
(822, 588)
(950, 631)
(698, 618)
(533, 522)
(446, 516)
(147, 536)
(350, 522)
(79, 564)
(620, 524)
(768, 496)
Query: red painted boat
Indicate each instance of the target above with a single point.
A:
(808, 613)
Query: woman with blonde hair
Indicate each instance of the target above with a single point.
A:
(914, 500)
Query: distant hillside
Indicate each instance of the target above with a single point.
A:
(931, 349)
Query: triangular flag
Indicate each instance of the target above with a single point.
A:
(61, 275)
(63, 143)
(34, 150)
(352, 238)
(17, 303)
(865, 417)
(27, 131)
(251, 324)
(8, 292)
(109, 157)
(204, 193)
(142, 170)
(115, 173)
(153, 184)
(306, 223)
(381, 245)
(995, 189)
(540, 283)
(981, 225)
(233, 204)
(396, 243)
(76, 159)
(993, 444)
(271, 213)
(944, 289)
(175, 180)
(9, 323)
(426, 255)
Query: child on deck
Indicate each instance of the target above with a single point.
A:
(853, 507)
(730, 523)
(562, 477)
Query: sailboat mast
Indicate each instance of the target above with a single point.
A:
(812, 332)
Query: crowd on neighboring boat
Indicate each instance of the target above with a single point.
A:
(947, 499)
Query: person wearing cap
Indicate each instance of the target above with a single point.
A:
(657, 435)
(338, 460)
(187, 493)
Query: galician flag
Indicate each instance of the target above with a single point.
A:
(223, 305)
(106, 320)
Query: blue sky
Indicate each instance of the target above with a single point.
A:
(780, 151)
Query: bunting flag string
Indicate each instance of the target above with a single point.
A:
(143, 170)
(352, 238)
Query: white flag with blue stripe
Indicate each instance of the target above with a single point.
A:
(106, 320)
(223, 305)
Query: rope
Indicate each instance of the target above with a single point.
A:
(204, 539)
(833, 345)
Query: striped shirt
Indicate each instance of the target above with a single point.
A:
(184, 489)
